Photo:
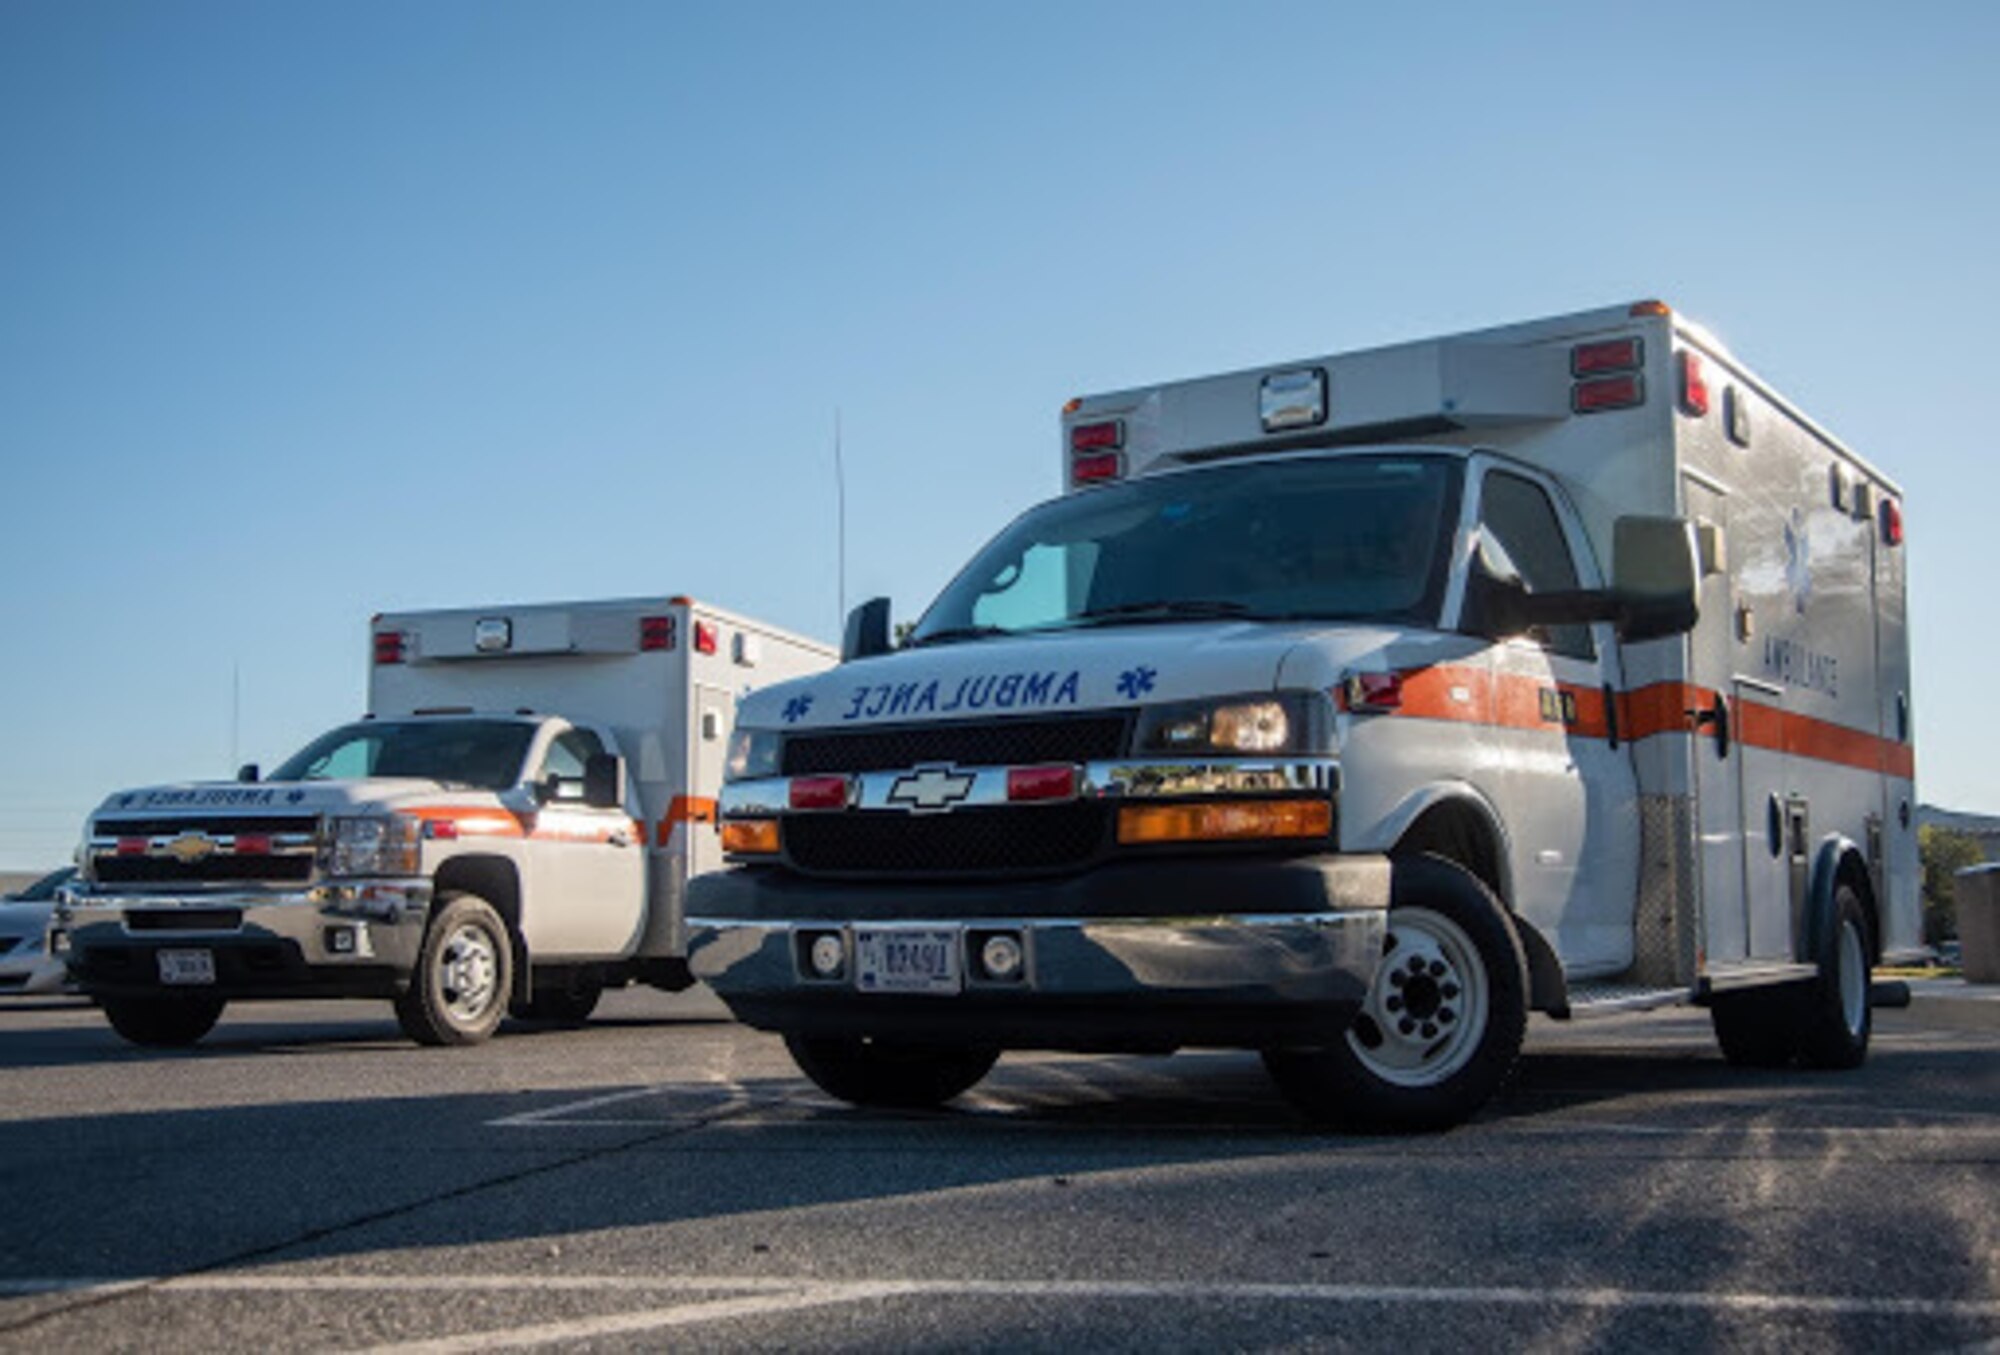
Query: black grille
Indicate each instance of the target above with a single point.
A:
(990, 842)
(1002, 743)
(149, 870)
(185, 920)
(214, 827)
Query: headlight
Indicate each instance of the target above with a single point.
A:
(1280, 722)
(380, 844)
(752, 753)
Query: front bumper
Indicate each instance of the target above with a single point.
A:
(1228, 951)
(359, 938)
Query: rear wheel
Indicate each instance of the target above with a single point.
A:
(465, 969)
(871, 1072)
(163, 1022)
(1757, 1028)
(1443, 1021)
(1835, 1019)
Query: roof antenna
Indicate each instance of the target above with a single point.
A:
(840, 524)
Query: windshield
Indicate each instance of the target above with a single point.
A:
(1351, 538)
(482, 753)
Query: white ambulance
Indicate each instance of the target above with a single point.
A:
(1350, 710)
(514, 822)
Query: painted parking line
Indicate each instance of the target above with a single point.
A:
(762, 1295)
(686, 1101)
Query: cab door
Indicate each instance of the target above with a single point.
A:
(586, 866)
(1572, 798)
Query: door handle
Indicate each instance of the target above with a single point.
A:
(1717, 715)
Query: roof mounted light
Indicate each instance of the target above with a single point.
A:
(1295, 399)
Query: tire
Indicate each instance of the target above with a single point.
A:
(163, 1022)
(866, 1072)
(1835, 1019)
(1757, 1027)
(465, 969)
(568, 1002)
(1441, 1027)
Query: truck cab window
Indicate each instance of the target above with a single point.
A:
(1520, 533)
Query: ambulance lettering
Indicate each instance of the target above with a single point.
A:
(987, 691)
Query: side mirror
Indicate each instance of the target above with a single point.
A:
(247, 772)
(867, 631)
(604, 781)
(1654, 577)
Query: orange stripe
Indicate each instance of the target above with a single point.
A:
(686, 809)
(1511, 701)
(471, 820)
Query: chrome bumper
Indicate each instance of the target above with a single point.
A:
(356, 925)
(1245, 958)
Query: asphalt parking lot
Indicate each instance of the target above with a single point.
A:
(307, 1180)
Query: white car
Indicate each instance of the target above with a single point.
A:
(25, 963)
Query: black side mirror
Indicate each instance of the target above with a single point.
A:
(604, 781)
(867, 631)
(1655, 577)
(247, 772)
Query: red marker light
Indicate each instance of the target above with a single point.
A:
(1892, 522)
(253, 844)
(1368, 693)
(819, 792)
(1607, 392)
(1611, 355)
(132, 846)
(1097, 466)
(388, 646)
(1694, 389)
(441, 830)
(1041, 783)
(1093, 437)
(656, 632)
(704, 637)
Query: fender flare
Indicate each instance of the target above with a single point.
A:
(1548, 991)
(1837, 855)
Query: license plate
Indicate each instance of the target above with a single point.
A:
(187, 966)
(906, 960)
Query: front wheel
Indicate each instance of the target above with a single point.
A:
(465, 969)
(870, 1072)
(163, 1022)
(1441, 1027)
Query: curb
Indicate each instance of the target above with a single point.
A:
(1954, 1005)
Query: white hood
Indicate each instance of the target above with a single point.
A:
(1086, 670)
(206, 798)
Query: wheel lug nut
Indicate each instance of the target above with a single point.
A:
(1446, 1016)
(1430, 1031)
(1437, 969)
(1406, 1025)
(1398, 978)
(1449, 990)
(1416, 964)
(1394, 1004)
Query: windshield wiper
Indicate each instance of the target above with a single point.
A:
(952, 633)
(1163, 609)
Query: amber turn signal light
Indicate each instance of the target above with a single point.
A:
(1224, 821)
(750, 837)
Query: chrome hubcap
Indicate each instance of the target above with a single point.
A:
(1427, 1007)
(468, 966)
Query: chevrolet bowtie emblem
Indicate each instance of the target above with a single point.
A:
(930, 789)
(191, 847)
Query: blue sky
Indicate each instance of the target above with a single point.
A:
(309, 311)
